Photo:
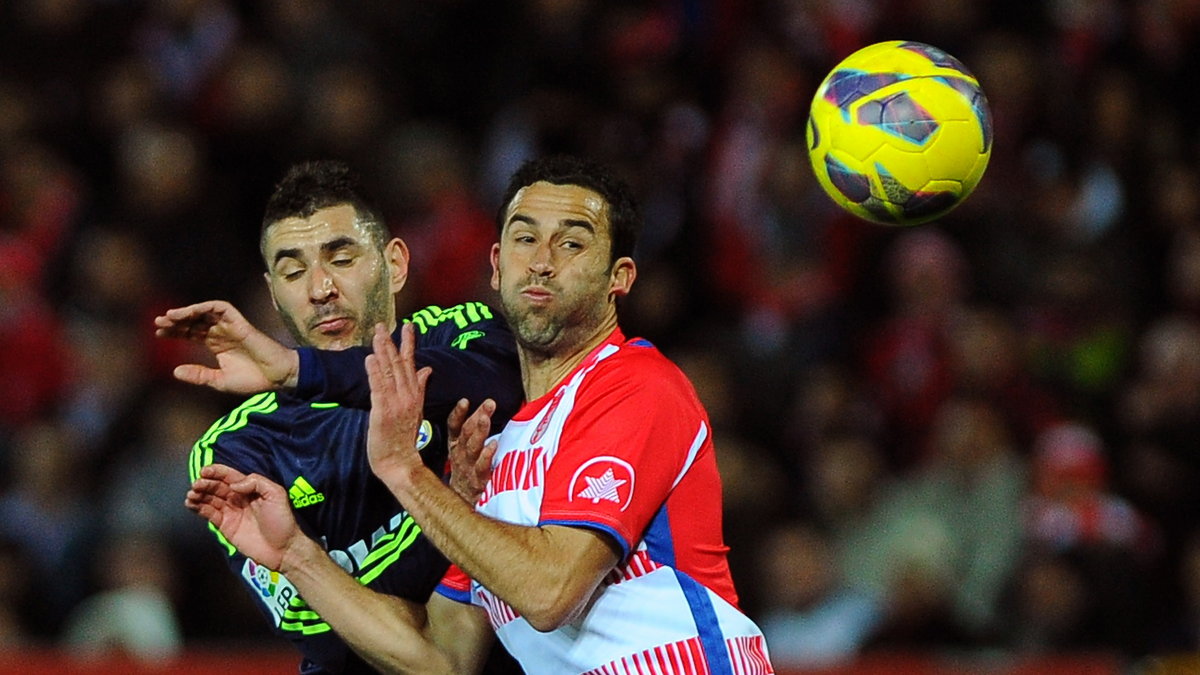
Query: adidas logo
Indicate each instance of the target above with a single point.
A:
(304, 494)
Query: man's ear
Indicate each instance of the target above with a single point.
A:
(495, 257)
(395, 255)
(271, 290)
(624, 273)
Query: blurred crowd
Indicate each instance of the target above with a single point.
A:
(977, 434)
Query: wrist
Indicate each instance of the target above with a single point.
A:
(299, 554)
(292, 377)
(403, 478)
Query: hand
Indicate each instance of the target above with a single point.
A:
(252, 512)
(248, 360)
(470, 456)
(397, 405)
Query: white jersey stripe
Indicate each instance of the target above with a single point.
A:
(697, 443)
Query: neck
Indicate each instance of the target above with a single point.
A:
(543, 369)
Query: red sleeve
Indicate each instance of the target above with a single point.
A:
(629, 435)
(455, 585)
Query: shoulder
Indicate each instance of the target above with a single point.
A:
(262, 416)
(639, 360)
(243, 437)
(266, 403)
(638, 368)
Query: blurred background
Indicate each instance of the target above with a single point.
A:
(971, 443)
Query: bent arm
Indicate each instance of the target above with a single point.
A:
(547, 574)
(461, 631)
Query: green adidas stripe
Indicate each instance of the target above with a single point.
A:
(202, 450)
(302, 620)
(302, 615)
(201, 454)
(304, 629)
(399, 547)
(390, 541)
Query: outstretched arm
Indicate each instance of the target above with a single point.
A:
(253, 513)
(548, 574)
(248, 360)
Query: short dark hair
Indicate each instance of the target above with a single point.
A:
(625, 219)
(308, 187)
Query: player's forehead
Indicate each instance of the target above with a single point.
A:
(332, 223)
(544, 203)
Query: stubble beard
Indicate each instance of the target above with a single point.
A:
(375, 311)
(549, 330)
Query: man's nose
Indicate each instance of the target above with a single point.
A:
(321, 287)
(542, 263)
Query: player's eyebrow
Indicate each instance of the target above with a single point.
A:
(326, 248)
(339, 243)
(286, 253)
(572, 222)
(566, 222)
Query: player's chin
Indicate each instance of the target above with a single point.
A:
(337, 341)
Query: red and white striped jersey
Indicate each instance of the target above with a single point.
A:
(623, 446)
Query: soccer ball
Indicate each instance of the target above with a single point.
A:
(899, 133)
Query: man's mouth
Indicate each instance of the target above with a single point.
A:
(538, 294)
(333, 325)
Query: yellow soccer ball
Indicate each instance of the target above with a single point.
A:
(899, 133)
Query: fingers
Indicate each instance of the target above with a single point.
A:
(422, 378)
(378, 363)
(408, 346)
(209, 513)
(205, 504)
(402, 364)
(194, 373)
(483, 465)
(479, 424)
(382, 386)
(482, 417)
(458, 415)
(221, 482)
(214, 309)
(193, 322)
(390, 370)
(221, 472)
(257, 484)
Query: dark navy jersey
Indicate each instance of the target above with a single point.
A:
(316, 449)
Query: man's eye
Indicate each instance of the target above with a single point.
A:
(342, 262)
(290, 272)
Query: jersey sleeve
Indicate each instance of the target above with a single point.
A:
(455, 585)
(633, 432)
(472, 353)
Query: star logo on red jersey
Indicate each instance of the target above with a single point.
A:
(603, 479)
(604, 487)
